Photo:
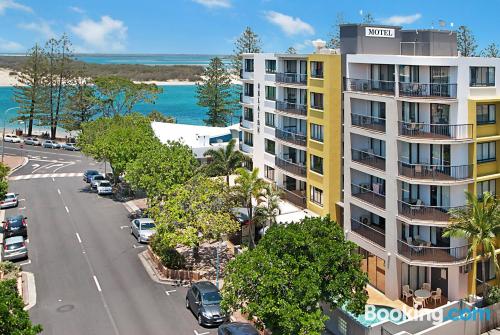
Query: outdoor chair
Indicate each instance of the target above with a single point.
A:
(407, 292)
(436, 295)
(418, 302)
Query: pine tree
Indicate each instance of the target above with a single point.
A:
(216, 92)
(491, 51)
(248, 42)
(334, 37)
(466, 42)
(28, 93)
(291, 51)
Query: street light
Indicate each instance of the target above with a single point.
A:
(3, 134)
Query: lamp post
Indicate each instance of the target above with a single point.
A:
(3, 134)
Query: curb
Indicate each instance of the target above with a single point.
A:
(153, 274)
(130, 206)
(25, 161)
(30, 288)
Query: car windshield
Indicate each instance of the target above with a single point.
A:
(16, 221)
(105, 184)
(14, 246)
(147, 225)
(99, 177)
(211, 298)
(9, 196)
(92, 172)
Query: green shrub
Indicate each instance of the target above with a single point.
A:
(493, 295)
(9, 269)
(170, 257)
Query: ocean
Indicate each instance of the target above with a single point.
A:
(159, 59)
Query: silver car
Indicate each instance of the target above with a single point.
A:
(51, 144)
(104, 187)
(143, 229)
(14, 248)
(10, 200)
(95, 180)
(32, 141)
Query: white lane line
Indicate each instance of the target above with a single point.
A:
(78, 237)
(58, 190)
(205, 333)
(123, 227)
(168, 292)
(67, 209)
(138, 246)
(97, 284)
(25, 263)
(53, 179)
(22, 199)
(22, 208)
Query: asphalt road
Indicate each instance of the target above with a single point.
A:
(89, 279)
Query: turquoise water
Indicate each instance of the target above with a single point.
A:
(177, 101)
(161, 59)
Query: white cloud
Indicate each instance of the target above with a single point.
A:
(290, 25)
(10, 46)
(11, 4)
(401, 19)
(302, 45)
(76, 9)
(41, 27)
(214, 3)
(106, 34)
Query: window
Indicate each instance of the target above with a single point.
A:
(270, 120)
(248, 138)
(248, 90)
(248, 65)
(317, 195)
(317, 69)
(317, 164)
(317, 100)
(486, 186)
(270, 93)
(316, 132)
(269, 146)
(248, 114)
(486, 152)
(482, 76)
(270, 66)
(268, 172)
(486, 113)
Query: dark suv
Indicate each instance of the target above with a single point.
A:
(89, 174)
(237, 328)
(15, 226)
(203, 299)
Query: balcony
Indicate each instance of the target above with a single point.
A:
(289, 166)
(291, 137)
(416, 210)
(435, 172)
(368, 122)
(296, 197)
(435, 131)
(368, 158)
(291, 108)
(370, 86)
(423, 251)
(291, 78)
(370, 232)
(433, 90)
(364, 193)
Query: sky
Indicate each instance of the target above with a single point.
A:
(212, 26)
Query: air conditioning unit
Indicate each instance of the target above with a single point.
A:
(364, 219)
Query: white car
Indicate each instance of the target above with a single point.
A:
(51, 144)
(96, 180)
(104, 187)
(143, 229)
(11, 138)
(10, 200)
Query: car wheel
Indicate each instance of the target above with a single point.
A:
(200, 320)
(187, 303)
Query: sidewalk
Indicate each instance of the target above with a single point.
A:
(14, 162)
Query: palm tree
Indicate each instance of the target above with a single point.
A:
(248, 186)
(224, 161)
(268, 206)
(478, 221)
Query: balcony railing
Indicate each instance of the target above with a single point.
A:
(291, 107)
(297, 197)
(291, 137)
(370, 86)
(369, 122)
(435, 131)
(424, 251)
(296, 169)
(291, 78)
(369, 232)
(433, 90)
(416, 210)
(435, 172)
(368, 158)
(367, 195)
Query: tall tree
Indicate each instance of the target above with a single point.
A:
(491, 51)
(466, 42)
(249, 187)
(248, 42)
(295, 271)
(118, 96)
(29, 91)
(81, 105)
(268, 207)
(479, 223)
(334, 36)
(291, 51)
(224, 161)
(156, 116)
(217, 94)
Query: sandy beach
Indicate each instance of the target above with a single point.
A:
(6, 79)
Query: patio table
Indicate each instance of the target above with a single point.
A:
(424, 294)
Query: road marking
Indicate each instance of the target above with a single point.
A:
(205, 333)
(35, 165)
(22, 199)
(46, 175)
(58, 190)
(25, 263)
(67, 210)
(78, 237)
(123, 227)
(53, 179)
(22, 208)
(168, 292)
(97, 284)
(27, 240)
(138, 246)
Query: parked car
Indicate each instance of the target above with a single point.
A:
(15, 226)
(70, 147)
(87, 175)
(12, 138)
(14, 248)
(237, 328)
(32, 141)
(104, 187)
(10, 200)
(143, 229)
(51, 144)
(95, 180)
(203, 299)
